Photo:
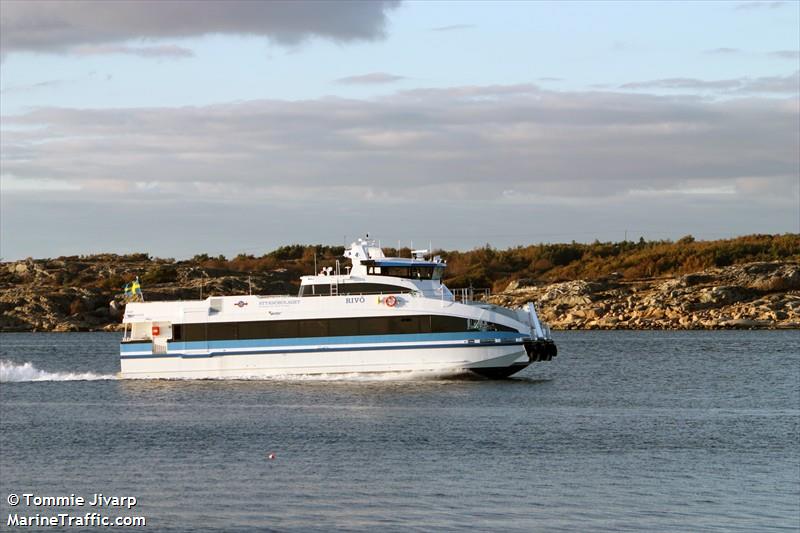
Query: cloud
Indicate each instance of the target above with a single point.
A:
(53, 84)
(789, 84)
(758, 5)
(724, 51)
(47, 84)
(11, 183)
(444, 143)
(773, 84)
(167, 51)
(786, 54)
(454, 27)
(370, 79)
(683, 83)
(62, 26)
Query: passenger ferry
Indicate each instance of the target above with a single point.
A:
(382, 315)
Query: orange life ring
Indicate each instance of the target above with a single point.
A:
(156, 331)
(391, 301)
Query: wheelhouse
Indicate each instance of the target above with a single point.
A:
(373, 273)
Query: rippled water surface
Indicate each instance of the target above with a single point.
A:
(664, 431)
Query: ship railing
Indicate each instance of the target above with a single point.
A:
(469, 295)
(361, 293)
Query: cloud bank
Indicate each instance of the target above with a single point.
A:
(165, 51)
(743, 6)
(455, 142)
(370, 79)
(786, 54)
(789, 84)
(454, 27)
(724, 51)
(61, 26)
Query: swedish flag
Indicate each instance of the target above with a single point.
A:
(133, 290)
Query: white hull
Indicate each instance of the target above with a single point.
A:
(436, 360)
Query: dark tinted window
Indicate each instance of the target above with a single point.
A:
(397, 272)
(223, 331)
(253, 330)
(446, 324)
(374, 325)
(352, 288)
(336, 327)
(313, 328)
(283, 329)
(341, 327)
(406, 324)
(412, 272)
(194, 332)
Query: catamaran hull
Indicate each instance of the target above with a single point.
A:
(494, 360)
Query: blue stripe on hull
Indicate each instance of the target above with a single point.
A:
(321, 350)
(295, 345)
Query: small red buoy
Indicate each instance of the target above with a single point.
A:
(270, 456)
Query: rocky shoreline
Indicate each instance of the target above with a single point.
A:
(749, 296)
(85, 295)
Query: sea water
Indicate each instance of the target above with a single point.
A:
(623, 431)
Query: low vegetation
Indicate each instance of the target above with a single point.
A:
(490, 267)
(482, 267)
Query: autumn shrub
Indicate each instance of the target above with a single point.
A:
(160, 274)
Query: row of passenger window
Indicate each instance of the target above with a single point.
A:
(334, 327)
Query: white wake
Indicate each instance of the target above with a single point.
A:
(414, 375)
(11, 372)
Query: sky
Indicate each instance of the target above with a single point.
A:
(187, 127)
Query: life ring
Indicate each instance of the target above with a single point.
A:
(390, 301)
(156, 331)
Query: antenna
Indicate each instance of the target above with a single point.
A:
(315, 261)
(250, 284)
